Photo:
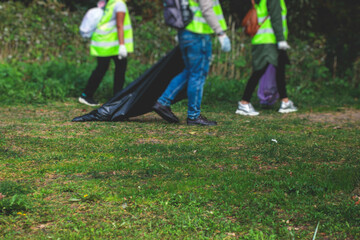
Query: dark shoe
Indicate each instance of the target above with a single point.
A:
(201, 120)
(93, 116)
(165, 113)
(88, 100)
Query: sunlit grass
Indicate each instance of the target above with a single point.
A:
(145, 178)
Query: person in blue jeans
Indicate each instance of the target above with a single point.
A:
(196, 50)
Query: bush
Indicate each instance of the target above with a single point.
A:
(43, 31)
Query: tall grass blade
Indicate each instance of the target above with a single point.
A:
(317, 227)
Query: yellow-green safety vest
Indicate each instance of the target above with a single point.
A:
(105, 40)
(265, 34)
(199, 24)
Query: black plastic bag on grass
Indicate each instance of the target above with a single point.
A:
(140, 95)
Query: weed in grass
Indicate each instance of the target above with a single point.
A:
(15, 204)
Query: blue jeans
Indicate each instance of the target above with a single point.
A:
(196, 53)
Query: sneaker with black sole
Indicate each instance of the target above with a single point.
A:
(287, 107)
(88, 100)
(165, 112)
(201, 120)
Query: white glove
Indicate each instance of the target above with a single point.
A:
(283, 45)
(225, 43)
(122, 52)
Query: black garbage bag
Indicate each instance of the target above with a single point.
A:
(140, 95)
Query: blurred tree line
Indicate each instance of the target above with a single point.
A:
(335, 21)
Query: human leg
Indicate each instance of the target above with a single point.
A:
(97, 75)
(179, 82)
(244, 106)
(280, 74)
(197, 60)
(287, 105)
(86, 97)
(175, 86)
(119, 75)
(252, 83)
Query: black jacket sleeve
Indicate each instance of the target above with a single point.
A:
(274, 9)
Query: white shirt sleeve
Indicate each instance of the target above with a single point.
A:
(120, 7)
(207, 9)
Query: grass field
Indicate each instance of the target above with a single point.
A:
(268, 177)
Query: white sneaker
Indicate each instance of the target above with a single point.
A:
(287, 107)
(246, 110)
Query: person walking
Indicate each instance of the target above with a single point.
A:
(196, 50)
(269, 46)
(112, 40)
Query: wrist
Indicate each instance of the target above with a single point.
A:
(220, 34)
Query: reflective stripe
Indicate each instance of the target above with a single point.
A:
(109, 24)
(199, 24)
(130, 40)
(261, 19)
(104, 44)
(195, 8)
(101, 32)
(109, 44)
(266, 34)
(105, 40)
(202, 20)
(265, 30)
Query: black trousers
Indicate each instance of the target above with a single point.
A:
(280, 78)
(100, 70)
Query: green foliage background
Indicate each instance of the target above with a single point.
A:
(43, 57)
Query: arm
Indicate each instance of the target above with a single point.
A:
(120, 16)
(274, 9)
(120, 9)
(207, 10)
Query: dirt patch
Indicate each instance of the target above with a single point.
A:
(341, 117)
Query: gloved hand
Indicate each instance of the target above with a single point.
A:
(122, 52)
(283, 45)
(225, 43)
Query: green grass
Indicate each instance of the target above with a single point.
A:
(146, 179)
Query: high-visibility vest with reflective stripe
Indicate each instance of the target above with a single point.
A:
(105, 40)
(265, 34)
(199, 24)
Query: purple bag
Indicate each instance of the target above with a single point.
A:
(267, 91)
